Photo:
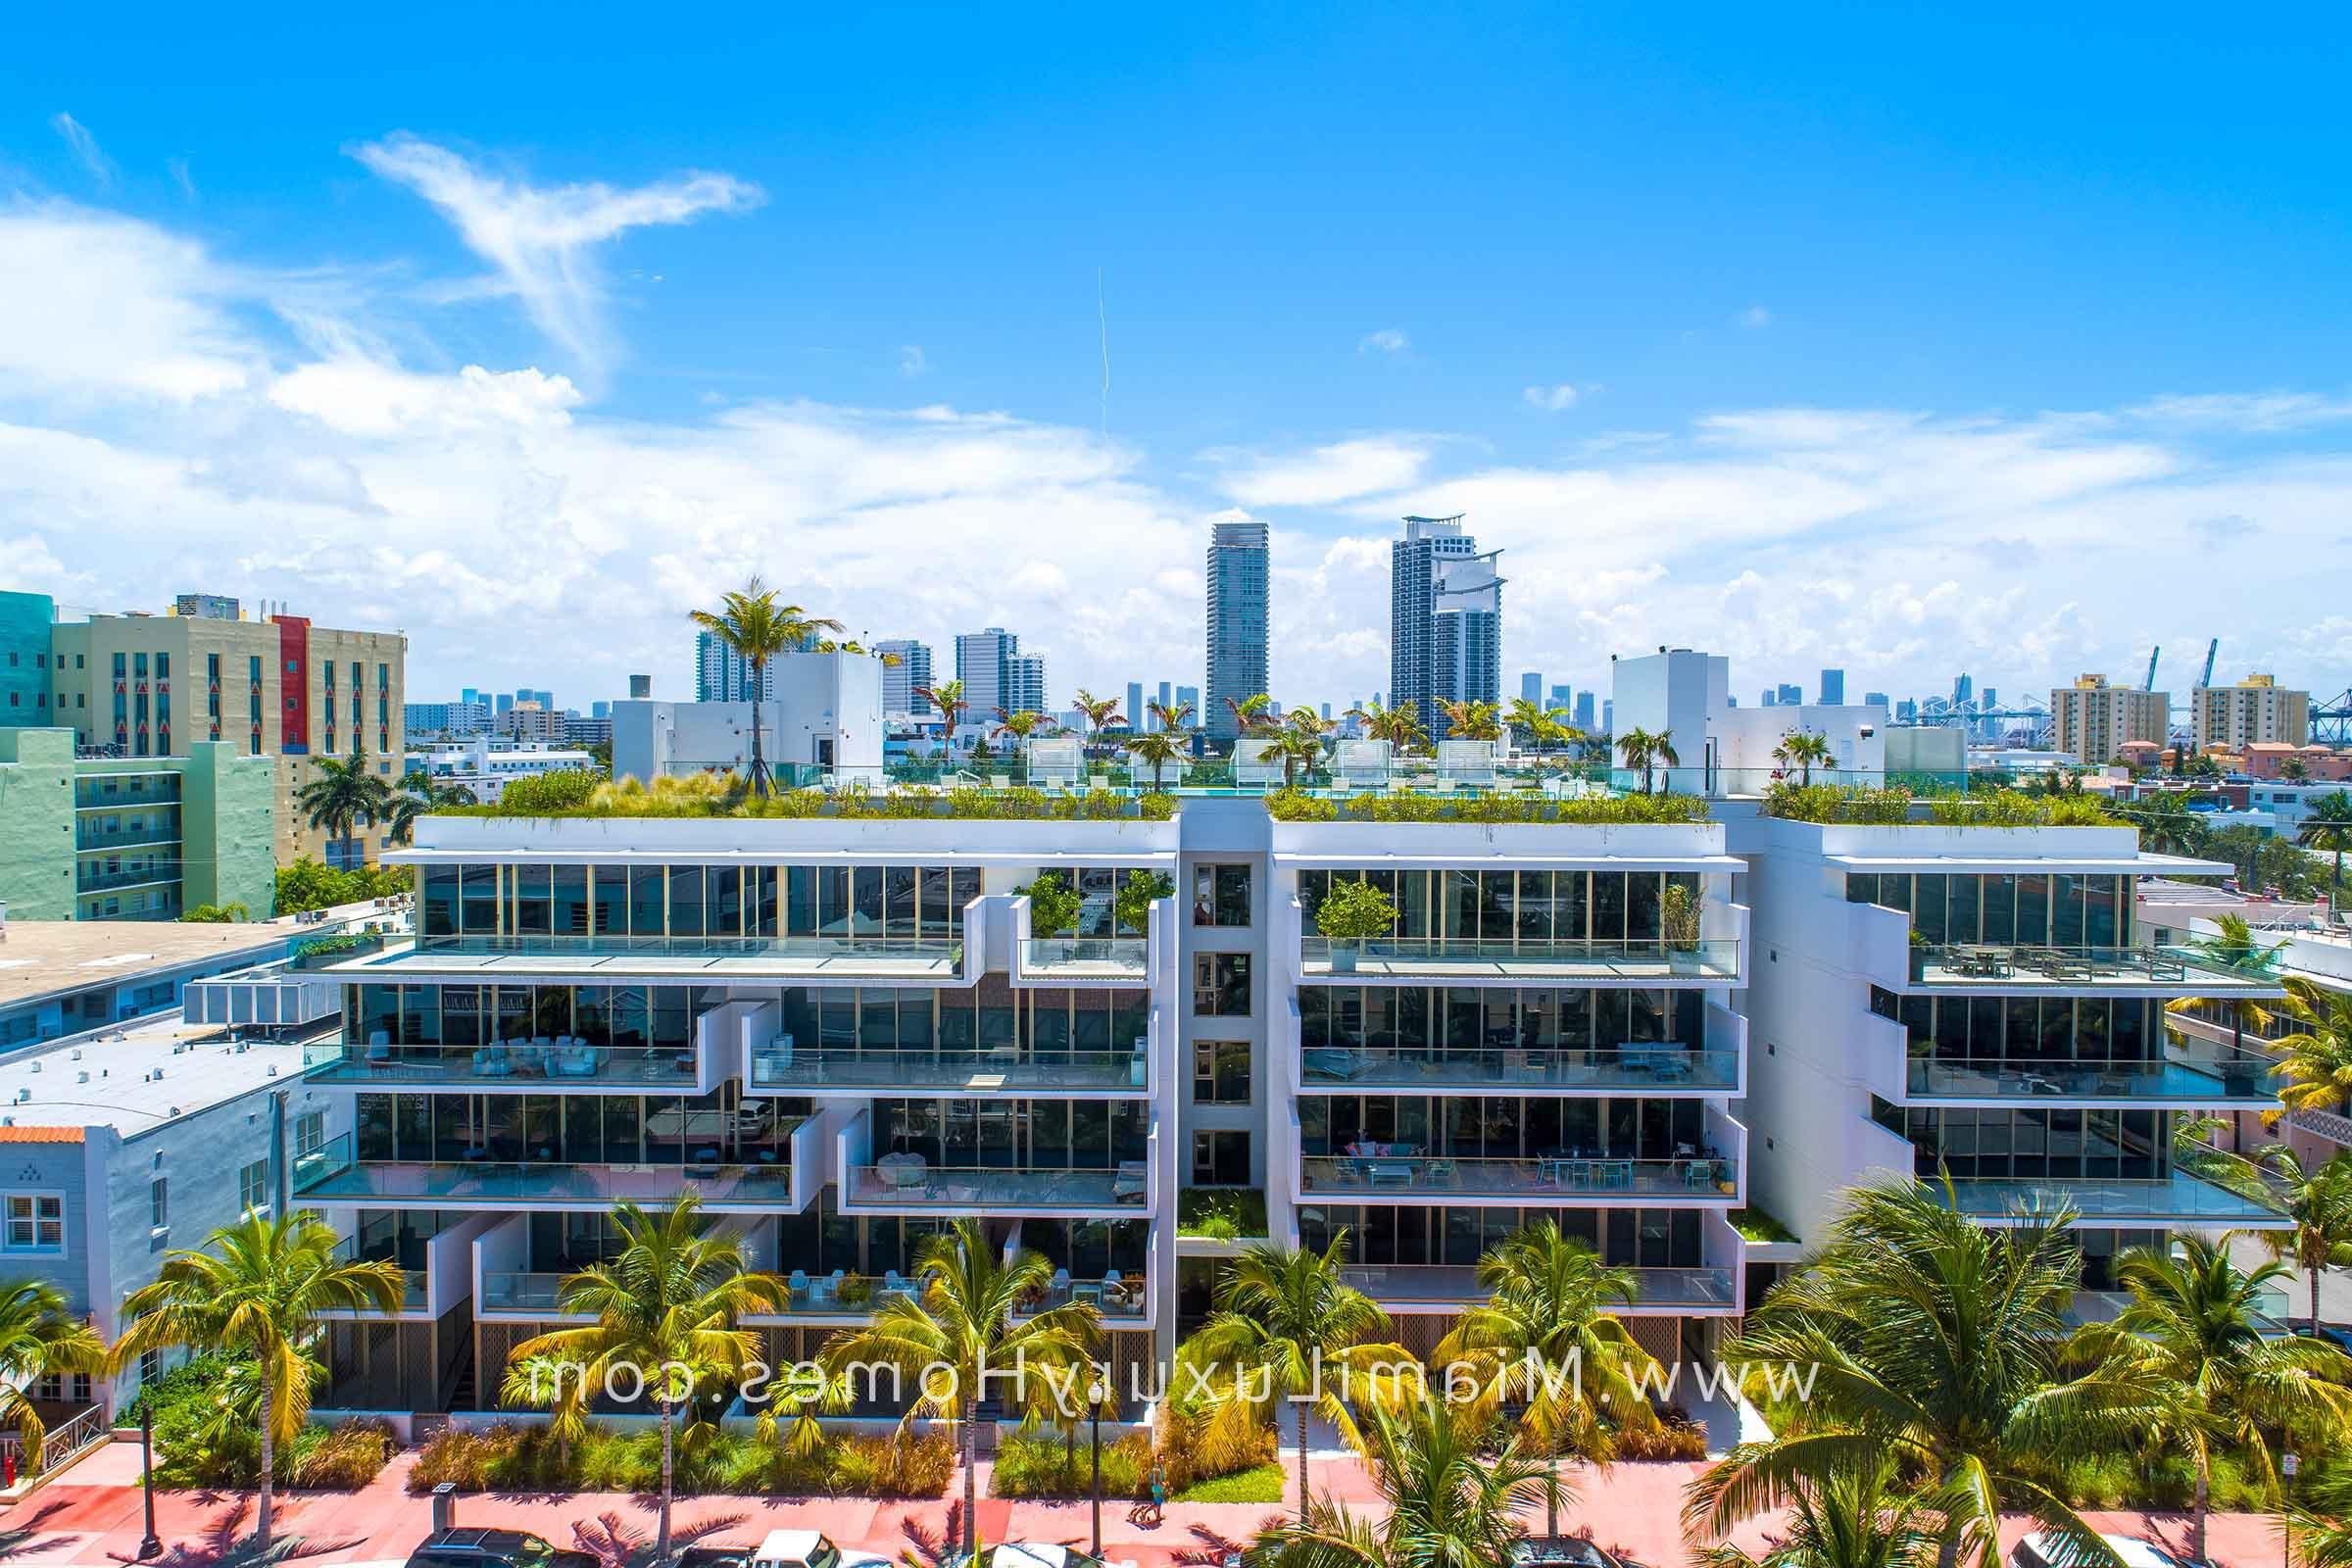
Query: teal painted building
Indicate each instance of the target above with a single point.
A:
(24, 622)
(133, 838)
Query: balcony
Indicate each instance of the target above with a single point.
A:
(516, 1067)
(1421, 1178)
(1654, 1069)
(93, 838)
(534, 1294)
(1450, 1286)
(129, 877)
(331, 1175)
(819, 960)
(904, 1184)
(2004, 969)
(415, 1295)
(1080, 961)
(2271, 1309)
(2190, 1079)
(842, 1297)
(1413, 960)
(1003, 1067)
(2154, 1203)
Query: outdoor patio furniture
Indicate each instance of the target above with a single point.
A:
(1389, 1172)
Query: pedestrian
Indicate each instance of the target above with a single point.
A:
(1159, 1491)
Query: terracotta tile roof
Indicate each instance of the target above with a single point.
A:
(40, 1135)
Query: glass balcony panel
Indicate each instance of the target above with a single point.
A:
(1367, 1177)
(1563, 963)
(2157, 1200)
(413, 1281)
(328, 1174)
(573, 1061)
(1003, 1067)
(1450, 1283)
(1092, 959)
(1645, 1067)
(851, 1295)
(2200, 1079)
(520, 1293)
(918, 1186)
(812, 958)
(2004, 967)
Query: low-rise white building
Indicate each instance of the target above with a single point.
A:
(485, 766)
(826, 718)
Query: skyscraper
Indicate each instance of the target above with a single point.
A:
(982, 662)
(1833, 688)
(641, 688)
(1025, 683)
(1137, 721)
(1878, 698)
(1560, 697)
(722, 675)
(1238, 557)
(1189, 696)
(900, 680)
(1791, 695)
(1583, 710)
(1444, 621)
(1167, 694)
(1530, 686)
(1770, 699)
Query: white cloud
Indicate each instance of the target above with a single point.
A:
(2247, 411)
(1339, 471)
(1388, 340)
(912, 362)
(1754, 317)
(543, 238)
(85, 147)
(95, 305)
(178, 169)
(1550, 399)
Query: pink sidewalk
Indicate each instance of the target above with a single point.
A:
(92, 1517)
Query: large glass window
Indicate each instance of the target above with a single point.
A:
(1222, 894)
(1222, 984)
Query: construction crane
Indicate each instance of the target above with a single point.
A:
(2149, 684)
(2211, 648)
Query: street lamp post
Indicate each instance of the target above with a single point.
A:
(2288, 1464)
(1094, 1395)
(151, 1545)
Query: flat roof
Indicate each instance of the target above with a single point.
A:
(199, 1071)
(47, 958)
(2141, 864)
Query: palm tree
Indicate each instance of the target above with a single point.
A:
(419, 796)
(2168, 827)
(1542, 726)
(340, 796)
(1286, 1323)
(259, 1290)
(2192, 1337)
(2319, 1521)
(1855, 1516)
(1299, 741)
(1643, 750)
(1546, 1338)
(751, 624)
(2317, 1198)
(2327, 825)
(1156, 748)
(1173, 717)
(545, 1381)
(961, 1321)
(669, 1304)
(1936, 1342)
(1399, 726)
(1450, 1499)
(948, 697)
(1252, 715)
(39, 1338)
(1021, 725)
(2316, 1060)
(1471, 722)
(1100, 711)
(1804, 750)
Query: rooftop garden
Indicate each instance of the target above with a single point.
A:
(1756, 1225)
(1900, 808)
(712, 795)
(1415, 806)
(1225, 1214)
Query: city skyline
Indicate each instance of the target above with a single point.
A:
(361, 366)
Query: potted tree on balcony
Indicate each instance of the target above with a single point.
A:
(1679, 916)
(1053, 909)
(1919, 956)
(1353, 912)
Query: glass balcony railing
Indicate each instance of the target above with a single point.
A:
(2159, 1201)
(1003, 1067)
(1452, 1283)
(87, 879)
(328, 1175)
(1115, 1298)
(815, 958)
(572, 1062)
(413, 1281)
(2271, 1309)
(2242, 1077)
(911, 1184)
(1088, 958)
(1563, 962)
(2003, 967)
(1636, 1068)
(520, 1293)
(1351, 1176)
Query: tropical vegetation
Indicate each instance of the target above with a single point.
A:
(309, 884)
(259, 1292)
(756, 628)
(510, 1456)
(582, 795)
(39, 1338)
(2327, 826)
(2317, 1200)
(419, 796)
(1644, 753)
(1399, 726)
(1410, 806)
(1802, 750)
(1450, 1497)
(2314, 1060)
(342, 796)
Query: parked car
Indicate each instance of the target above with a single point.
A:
(1565, 1551)
(493, 1548)
(782, 1548)
(2334, 1334)
(1028, 1555)
(2043, 1550)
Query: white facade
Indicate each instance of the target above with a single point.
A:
(484, 767)
(1723, 750)
(827, 714)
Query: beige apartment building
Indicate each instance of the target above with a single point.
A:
(151, 685)
(2093, 719)
(2254, 711)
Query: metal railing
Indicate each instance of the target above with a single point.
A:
(60, 1443)
(1416, 957)
(1337, 1176)
(127, 838)
(129, 877)
(1660, 1067)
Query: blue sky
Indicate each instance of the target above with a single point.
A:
(1908, 344)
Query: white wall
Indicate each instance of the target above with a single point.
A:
(822, 700)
